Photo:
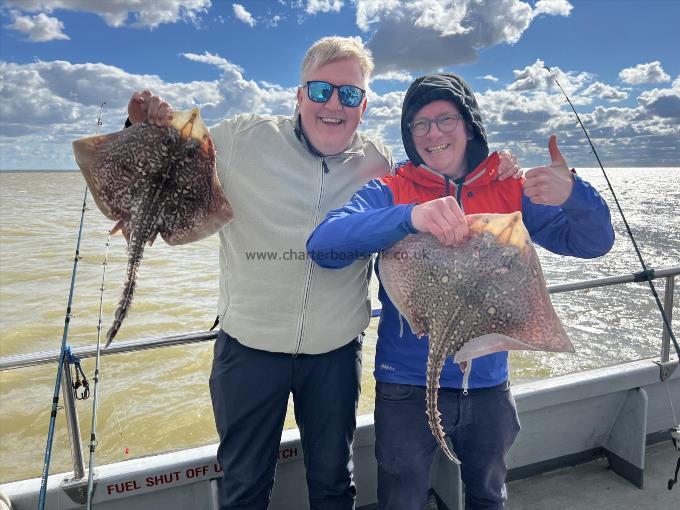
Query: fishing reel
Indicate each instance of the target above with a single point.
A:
(675, 437)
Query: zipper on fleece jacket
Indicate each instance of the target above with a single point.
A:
(310, 263)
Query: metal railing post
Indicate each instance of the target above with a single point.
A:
(72, 423)
(666, 366)
(668, 308)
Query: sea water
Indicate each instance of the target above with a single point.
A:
(158, 400)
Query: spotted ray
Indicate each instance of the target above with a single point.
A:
(486, 296)
(154, 180)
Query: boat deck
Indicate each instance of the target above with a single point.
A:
(593, 485)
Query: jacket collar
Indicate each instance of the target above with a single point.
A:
(422, 175)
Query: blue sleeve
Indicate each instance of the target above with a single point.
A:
(581, 227)
(368, 223)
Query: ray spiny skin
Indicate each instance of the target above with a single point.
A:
(154, 180)
(485, 296)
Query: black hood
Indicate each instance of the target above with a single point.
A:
(449, 87)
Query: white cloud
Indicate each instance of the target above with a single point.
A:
(382, 120)
(488, 77)
(644, 73)
(273, 21)
(39, 28)
(215, 60)
(604, 91)
(243, 15)
(443, 17)
(523, 114)
(317, 6)
(664, 103)
(553, 7)
(61, 92)
(46, 105)
(393, 76)
(533, 77)
(116, 13)
(425, 35)
(517, 110)
(370, 12)
(536, 77)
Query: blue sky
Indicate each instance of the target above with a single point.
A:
(618, 60)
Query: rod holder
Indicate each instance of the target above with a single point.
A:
(72, 423)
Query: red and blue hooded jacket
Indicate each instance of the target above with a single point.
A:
(379, 215)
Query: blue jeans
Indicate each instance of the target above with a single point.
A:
(481, 425)
(249, 390)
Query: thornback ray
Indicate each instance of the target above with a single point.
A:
(154, 180)
(486, 296)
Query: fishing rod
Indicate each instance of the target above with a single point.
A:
(57, 384)
(95, 398)
(62, 354)
(646, 273)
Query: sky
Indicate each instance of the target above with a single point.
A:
(619, 62)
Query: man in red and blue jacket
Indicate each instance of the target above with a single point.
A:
(450, 174)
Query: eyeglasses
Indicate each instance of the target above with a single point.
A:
(445, 124)
(321, 92)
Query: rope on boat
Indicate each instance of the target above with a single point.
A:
(646, 274)
(81, 390)
(95, 399)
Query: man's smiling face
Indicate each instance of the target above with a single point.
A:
(330, 126)
(441, 151)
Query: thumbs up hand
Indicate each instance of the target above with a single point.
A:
(552, 184)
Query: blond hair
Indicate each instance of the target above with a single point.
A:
(331, 49)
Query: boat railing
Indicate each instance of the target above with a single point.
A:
(667, 366)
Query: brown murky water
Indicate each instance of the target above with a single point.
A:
(157, 401)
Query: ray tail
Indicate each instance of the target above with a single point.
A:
(435, 363)
(143, 231)
(135, 253)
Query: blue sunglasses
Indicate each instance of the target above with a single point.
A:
(321, 92)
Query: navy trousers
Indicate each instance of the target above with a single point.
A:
(249, 390)
(482, 426)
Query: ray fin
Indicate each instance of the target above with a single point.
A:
(488, 344)
(207, 217)
(87, 156)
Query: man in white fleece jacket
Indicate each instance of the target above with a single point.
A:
(285, 324)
